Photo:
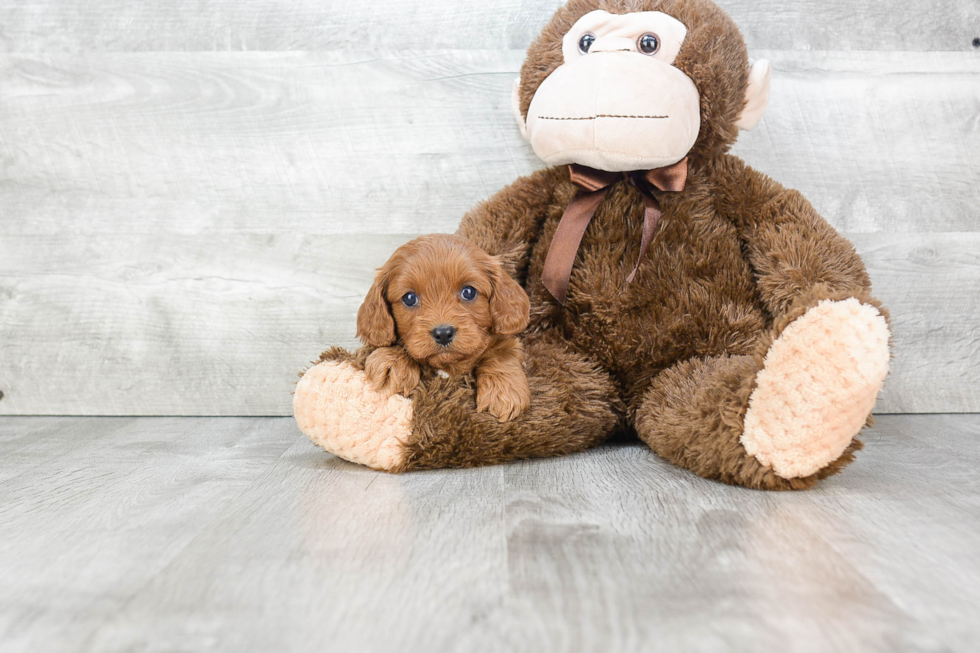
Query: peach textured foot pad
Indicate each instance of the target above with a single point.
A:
(337, 410)
(818, 386)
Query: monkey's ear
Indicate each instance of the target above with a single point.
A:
(515, 105)
(509, 306)
(756, 96)
(375, 325)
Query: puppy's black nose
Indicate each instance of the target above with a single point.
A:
(444, 334)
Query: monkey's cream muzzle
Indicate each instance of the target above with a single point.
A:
(614, 111)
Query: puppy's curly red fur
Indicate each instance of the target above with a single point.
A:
(435, 269)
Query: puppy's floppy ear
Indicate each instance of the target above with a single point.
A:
(375, 324)
(509, 306)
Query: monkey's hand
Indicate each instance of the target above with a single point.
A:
(391, 370)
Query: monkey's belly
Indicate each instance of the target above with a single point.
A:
(644, 337)
(635, 329)
(694, 293)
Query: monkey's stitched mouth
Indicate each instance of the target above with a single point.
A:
(601, 115)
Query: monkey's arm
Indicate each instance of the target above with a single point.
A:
(797, 256)
(508, 223)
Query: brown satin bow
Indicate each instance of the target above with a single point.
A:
(593, 185)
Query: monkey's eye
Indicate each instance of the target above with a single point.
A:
(410, 299)
(468, 293)
(648, 43)
(586, 42)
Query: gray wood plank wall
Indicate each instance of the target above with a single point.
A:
(193, 198)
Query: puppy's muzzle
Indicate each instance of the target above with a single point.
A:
(444, 334)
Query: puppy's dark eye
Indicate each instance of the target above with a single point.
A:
(410, 299)
(468, 293)
(648, 43)
(585, 43)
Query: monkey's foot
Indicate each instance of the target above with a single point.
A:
(818, 385)
(336, 408)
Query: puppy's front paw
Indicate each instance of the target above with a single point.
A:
(504, 397)
(390, 370)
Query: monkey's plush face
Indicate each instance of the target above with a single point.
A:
(617, 102)
(624, 85)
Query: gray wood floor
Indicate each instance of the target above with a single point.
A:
(237, 534)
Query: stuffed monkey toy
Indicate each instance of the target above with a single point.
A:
(676, 293)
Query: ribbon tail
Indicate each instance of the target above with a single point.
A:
(651, 217)
(564, 245)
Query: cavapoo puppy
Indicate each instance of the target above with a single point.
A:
(444, 303)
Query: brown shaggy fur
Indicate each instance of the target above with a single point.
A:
(436, 269)
(673, 355)
(572, 408)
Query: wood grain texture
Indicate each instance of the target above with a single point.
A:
(877, 142)
(177, 325)
(931, 285)
(239, 535)
(181, 232)
(265, 25)
(381, 143)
